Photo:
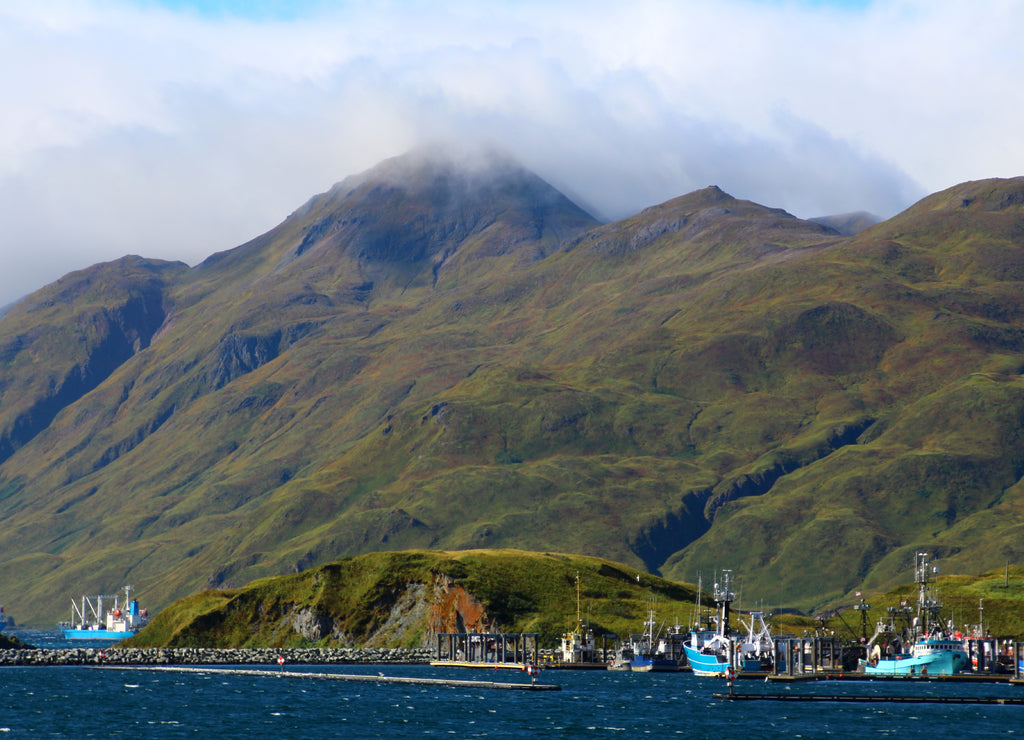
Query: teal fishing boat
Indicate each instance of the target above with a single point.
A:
(921, 646)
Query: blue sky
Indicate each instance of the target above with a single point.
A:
(255, 9)
(178, 128)
(291, 9)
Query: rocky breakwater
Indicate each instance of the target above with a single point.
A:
(213, 656)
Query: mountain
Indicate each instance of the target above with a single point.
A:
(449, 354)
(848, 224)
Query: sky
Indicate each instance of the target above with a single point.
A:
(174, 129)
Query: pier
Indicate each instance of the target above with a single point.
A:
(514, 650)
(884, 699)
(378, 679)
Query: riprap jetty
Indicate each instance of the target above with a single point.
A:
(214, 656)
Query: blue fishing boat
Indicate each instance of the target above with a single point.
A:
(93, 620)
(651, 654)
(710, 652)
(923, 646)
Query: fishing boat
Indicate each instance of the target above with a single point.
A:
(924, 646)
(623, 658)
(650, 652)
(578, 646)
(757, 650)
(91, 619)
(709, 651)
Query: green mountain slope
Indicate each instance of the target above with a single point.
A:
(452, 356)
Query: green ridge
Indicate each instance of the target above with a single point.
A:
(353, 600)
(428, 357)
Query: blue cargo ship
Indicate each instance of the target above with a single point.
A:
(91, 619)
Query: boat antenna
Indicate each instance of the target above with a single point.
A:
(579, 621)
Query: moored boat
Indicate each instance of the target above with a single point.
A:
(92, 620)
(710, 651)
(623, 660)
(922, 647)
(578, 646)
(651, 654)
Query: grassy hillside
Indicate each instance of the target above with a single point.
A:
(426, 357)
(395, 599)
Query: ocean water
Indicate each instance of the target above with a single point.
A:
(84, 702)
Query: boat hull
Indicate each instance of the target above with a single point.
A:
(703, 664)
(933, 664)
(653, 665)
(109, 635)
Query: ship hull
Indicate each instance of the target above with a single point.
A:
(653, 665)
(705, 665)
(944, 663)
(109, 635)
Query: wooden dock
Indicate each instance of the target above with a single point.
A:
(364, 678)
(1019, 700)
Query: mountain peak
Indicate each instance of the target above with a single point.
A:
(420, 167)
(429, 204)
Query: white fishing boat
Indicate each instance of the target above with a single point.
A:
(578, 646)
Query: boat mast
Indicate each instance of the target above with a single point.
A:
(927, 606)
(723, 597)
(579, 621)
(698, 605)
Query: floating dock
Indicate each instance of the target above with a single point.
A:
(855, 676)
(379, 678)
(884, 699)
(476, 664)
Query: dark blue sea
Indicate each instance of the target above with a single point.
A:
(85, 702)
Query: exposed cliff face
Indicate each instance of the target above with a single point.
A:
(442, 607)
(453, 609)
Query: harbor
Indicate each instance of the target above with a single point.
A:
(170, 703)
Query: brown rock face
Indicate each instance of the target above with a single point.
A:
(456, 610)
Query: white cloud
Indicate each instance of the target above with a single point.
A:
(134, 129)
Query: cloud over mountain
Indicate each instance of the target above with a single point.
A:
(131, 128)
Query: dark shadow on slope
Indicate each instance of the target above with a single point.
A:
(677, 529)
(128, 329)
